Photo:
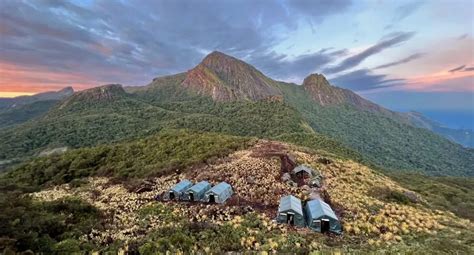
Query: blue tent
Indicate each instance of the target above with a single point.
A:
(290, 211)
(177, 191)
(320, 217)
(196, 192)
(219, 193)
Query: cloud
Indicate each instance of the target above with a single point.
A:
(317, 10)
(406, 10)
(364, 79)
(459, 68)
(401, 61)
(132, 41)
(388, 41)
(462, 68)
(442, 81)
(462, 37)
(294, 69)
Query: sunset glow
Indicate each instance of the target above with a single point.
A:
(369, 47)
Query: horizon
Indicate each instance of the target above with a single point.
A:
(402, 55)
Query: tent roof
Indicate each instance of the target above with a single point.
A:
(300, 168)
(199, 186)
(219, 188)
(183, 184)
(318, 208)
(290, 203)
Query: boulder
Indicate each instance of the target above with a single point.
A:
(286, 177)
(315, 183)
(412, 196)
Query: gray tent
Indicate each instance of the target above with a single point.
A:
(290, 211)
(177, 191)
(196, 192)
(219, 193)
(320, 217)
(303, 170)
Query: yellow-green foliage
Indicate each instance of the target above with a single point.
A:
(351, 187)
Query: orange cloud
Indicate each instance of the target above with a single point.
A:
(442, 81)
(24, 80)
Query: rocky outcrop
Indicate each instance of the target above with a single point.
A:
(104, 93)
(225, 78)
(325, 94)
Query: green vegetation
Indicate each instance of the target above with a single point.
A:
(453, 194)
(136, 116)
(389, 195)
(47, 227)
(23, 113)
(388, 143)
(251, 233)
(341, 130)
(167, 151)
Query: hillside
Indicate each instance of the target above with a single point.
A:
(225, 78)
(464, 137)
(107, 213)
(384, 140)
(226, 95)
(8, 103)
(24, 108)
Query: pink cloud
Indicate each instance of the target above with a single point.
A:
(15, 78)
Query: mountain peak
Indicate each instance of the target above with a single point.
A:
(321, 91)
(217, 54)
(226, 78)
(316, 80)
(105, 93)
(67, 90)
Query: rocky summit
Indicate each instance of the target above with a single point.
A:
(103, 93)
(226, 78)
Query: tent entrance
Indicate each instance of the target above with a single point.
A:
(324, 225)
(191, 196)
(290, 219)
(171, 195)
(212, 198)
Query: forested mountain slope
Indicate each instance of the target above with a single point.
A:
(20, 109)
(232, 97)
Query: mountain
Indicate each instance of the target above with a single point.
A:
(464, 137)
(225, 78)
(108, 198)
(17, 110)
(225, 95)
(102, 94)
(9, 103)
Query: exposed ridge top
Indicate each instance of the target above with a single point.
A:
(226, 78)
(67, 89)
(317, 80)
(107, 92)
(219, 61)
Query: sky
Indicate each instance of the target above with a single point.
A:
(405, 55)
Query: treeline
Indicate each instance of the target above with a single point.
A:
(167, 151)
